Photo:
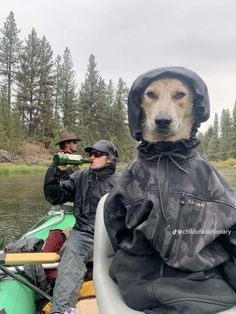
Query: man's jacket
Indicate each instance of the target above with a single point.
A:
(84, 187)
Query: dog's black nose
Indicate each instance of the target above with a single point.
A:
(163, 121)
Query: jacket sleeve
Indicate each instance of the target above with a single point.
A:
(57, 190)
(114, 217)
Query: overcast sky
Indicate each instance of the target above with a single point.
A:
(129, 37)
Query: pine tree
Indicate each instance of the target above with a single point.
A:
(4, 116)
(28, 84)
(103, 112)
(203, 145)
(101, 116)
(58, 90)
(109, 101)
(45, 91)
(69, 96)
(88, 103)
(216, 136)
(210, 141)
(233, 142)
(122, 140)
(9, 56)
(226, 134)
(213, 140)
(121, 100)
(110, 94)
(11, 133)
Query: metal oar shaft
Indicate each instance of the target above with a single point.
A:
(26, 283)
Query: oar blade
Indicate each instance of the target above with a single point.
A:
(28, 258)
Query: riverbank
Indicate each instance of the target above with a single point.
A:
(30, 158)
(35, 158)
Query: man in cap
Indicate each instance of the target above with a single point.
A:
(85, 187)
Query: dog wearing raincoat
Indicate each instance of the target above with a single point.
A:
(171, 217)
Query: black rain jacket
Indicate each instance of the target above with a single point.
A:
(85, 187)
(171, 219)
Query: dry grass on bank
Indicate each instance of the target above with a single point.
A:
(31, 157)
(225, 164)
(33, 154)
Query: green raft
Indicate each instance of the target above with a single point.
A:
(15, 297)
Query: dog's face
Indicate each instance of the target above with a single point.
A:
(168, 110)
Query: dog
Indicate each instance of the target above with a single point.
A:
(168, 110)
(166, 215)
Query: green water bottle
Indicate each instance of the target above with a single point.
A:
(68, 159)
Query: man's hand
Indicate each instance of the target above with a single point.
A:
(63, 167)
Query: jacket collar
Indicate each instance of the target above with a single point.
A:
(102, 173)
(181, 149)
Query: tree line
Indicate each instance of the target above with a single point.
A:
(219, 141)
(39, 96)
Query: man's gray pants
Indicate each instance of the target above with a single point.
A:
(76, 251)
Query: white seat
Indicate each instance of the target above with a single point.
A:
(108, 296)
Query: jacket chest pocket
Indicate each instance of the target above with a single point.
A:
(182, 213)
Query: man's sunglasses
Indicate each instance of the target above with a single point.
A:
(96, 154)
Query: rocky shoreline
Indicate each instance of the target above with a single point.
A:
(28, 154)
(6, 156)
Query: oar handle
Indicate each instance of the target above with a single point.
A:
(28, 258)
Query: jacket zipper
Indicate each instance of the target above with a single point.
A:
(182, 199)
(182, 202)
(159, 233)
(204, 200)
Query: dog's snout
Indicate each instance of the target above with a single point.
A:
(163, 121)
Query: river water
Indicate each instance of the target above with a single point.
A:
(22, 202)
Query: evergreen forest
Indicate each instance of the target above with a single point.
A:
(39, 98)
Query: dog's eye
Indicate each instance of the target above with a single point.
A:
(179, 95)
(151, 95)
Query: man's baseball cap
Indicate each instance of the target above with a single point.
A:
(103, 146)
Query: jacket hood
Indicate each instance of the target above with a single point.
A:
(198, 87)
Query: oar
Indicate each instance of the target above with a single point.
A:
(26, 283)
(16, 268)
(28, 258)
